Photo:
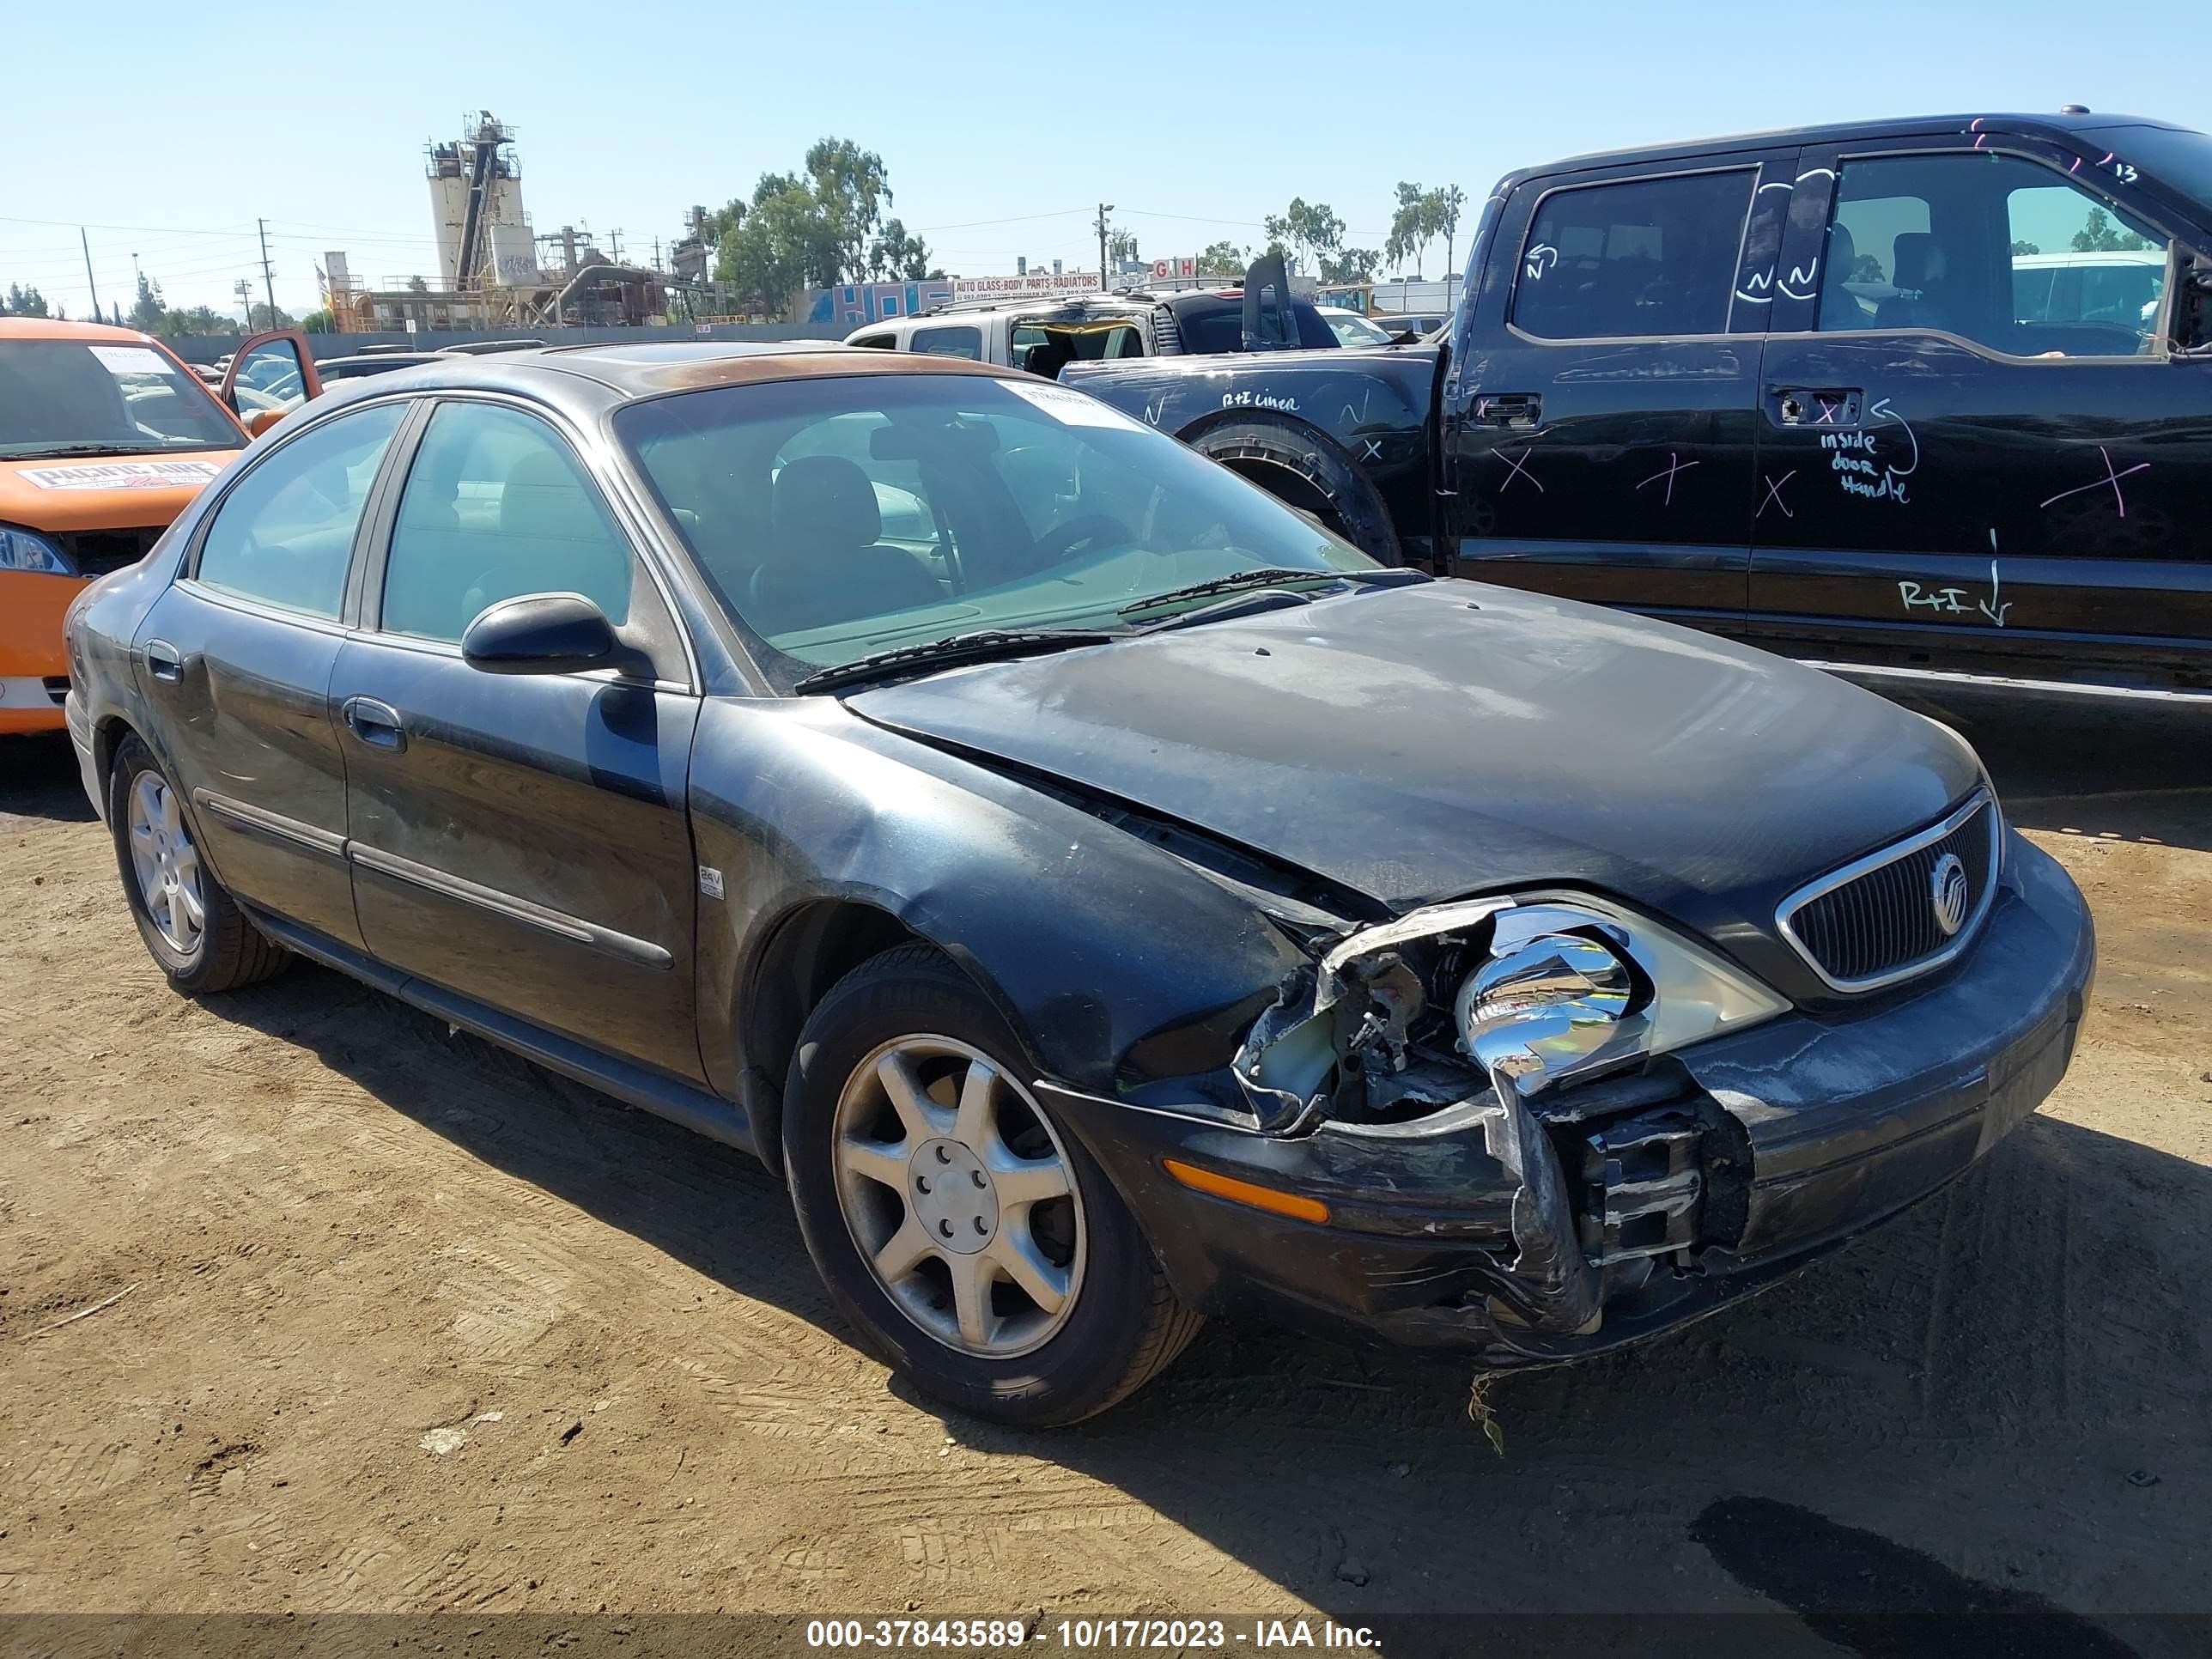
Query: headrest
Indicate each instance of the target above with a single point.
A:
(1843, 252)
(542, 498)
(822, 504)
(1912, 258)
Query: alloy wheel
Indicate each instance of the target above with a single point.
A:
(166, 863)
(959, 1195)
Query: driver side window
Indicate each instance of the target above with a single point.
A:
(1996, 249)
(496, 506)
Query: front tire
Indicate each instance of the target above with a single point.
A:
(193, 926)
(977, 1246)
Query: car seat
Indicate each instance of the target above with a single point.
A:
(1917, 268)
(1840, 306)
(824, 565)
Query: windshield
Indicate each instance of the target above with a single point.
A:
(2179, 159)
(838, 517)
(74, 397)
(1354, 331)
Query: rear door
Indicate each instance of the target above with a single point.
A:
(521, 839)
(1602, 434)
(1976, 453)
(237, 656)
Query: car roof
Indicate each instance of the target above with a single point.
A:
(2059, 126)
(647, 368)
(47, 328)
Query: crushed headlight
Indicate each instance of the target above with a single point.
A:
(1574, 985)
(21, 551)
(1539, 988)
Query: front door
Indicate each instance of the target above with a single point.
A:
(239, 655)
(521, 839)
(1602, 420)
(1978, 452)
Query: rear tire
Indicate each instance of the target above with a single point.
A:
(1304, 470)
(912, 1192)
(193, 926)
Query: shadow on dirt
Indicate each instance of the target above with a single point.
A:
(39, 780)
(2139, 770)
(2014, 1372)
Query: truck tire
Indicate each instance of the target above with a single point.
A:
(1306, 469)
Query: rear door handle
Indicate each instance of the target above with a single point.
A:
(164, 661)
(376, 724)
(1835, 407)
(1509, 408)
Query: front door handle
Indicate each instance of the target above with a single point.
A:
(164, 661)
(376, 724)
(1507, 409)
(1831, 406)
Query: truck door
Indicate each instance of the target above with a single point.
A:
(1600, 425)
(1978, 450)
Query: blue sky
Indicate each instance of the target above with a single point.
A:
(168, 136)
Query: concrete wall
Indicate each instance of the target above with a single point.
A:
(207, 348)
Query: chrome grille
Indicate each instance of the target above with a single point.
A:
(1874, 922)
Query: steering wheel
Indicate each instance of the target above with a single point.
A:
(1062, 540)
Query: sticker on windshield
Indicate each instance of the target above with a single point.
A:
(122, 474)
(132, 360)
(1070, 407)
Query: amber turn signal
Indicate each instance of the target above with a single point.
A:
(1243, 1192)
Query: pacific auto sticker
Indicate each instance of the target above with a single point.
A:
(132, 360)
(122, 474)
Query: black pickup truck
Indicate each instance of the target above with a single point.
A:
(1924, 398)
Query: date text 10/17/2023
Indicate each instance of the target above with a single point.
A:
(1087, 1635)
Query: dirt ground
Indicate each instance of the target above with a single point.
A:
(326, 1237)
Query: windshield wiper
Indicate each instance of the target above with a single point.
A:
(985, 645)
(86, 447)
(1266, 576)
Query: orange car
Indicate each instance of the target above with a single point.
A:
(105, 437)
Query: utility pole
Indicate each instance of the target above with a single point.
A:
(87, 246)
(268, 282)
(244, 289)
(1104, 207)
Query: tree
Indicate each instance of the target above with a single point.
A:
(1443, 219)
(1307, 230)
(1866, 269)
(898, 257)
(1120, 245)
(200, 320)
(2020, 248)
(260, 317)
(851, 189)
(416, 285)
(147, 310)
(1222, 259)
(23, 302)
(1411, 226)
(2101, 235)
(320, 322)
(1349, 264)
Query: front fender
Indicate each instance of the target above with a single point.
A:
(1095, 946)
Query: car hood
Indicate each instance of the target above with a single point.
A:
(1417, 743)
(115, 492)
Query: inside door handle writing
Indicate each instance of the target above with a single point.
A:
(377, 724)
(1834, 407)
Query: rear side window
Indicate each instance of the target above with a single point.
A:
(284, 535)
(1639, 259)
(496, 506)
(950, 343)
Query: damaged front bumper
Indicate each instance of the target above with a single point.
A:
(1619, 1208)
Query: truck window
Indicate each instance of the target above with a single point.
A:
(1996, 249)
(1641, 258)
(962, 342)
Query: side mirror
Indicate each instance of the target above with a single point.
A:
(258, 420)
(540, 634)
(2192, 316)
